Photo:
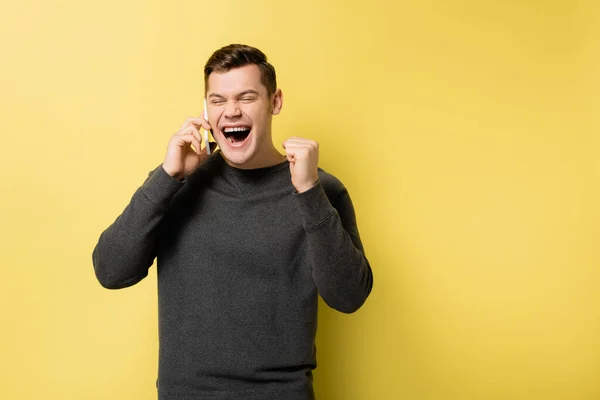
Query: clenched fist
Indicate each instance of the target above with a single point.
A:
(303, 155)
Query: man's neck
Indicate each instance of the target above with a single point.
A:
(268, 158)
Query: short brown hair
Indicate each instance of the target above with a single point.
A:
(239, 55)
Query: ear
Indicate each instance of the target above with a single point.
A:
(277, 102)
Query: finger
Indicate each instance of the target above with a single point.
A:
(299, 139)
(192, 121)
(291, 144)
(301, 143)
(191, 130)
(196, 143)
(289, 149)
(196, 133)
(297, 148)
(199, 122)
(188, 138)
(307, 143)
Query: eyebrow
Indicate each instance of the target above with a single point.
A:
(245, 92)
(249, 91)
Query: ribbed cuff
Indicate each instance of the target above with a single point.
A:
(314, 206)
(161, 187)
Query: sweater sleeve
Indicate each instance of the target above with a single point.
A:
(341, 271)
(127, 248)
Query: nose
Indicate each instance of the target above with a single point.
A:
(232, 110)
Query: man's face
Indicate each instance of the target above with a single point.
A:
(240, 112)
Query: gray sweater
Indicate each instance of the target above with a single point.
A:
(241, 260)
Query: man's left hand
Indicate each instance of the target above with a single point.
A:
(303, 155)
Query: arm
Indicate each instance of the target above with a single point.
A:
(341, 271)
(127, 248)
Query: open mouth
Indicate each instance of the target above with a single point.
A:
(237, 134)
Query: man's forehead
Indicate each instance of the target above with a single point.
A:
(236, 81)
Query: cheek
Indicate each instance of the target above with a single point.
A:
(260, 118)
(256, 112)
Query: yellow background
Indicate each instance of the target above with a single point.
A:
(466, 132)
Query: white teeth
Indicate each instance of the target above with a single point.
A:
(235, 129)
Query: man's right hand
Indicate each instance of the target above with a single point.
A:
(181, 160)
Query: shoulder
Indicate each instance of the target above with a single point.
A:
(332, 186)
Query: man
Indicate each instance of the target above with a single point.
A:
(245, 241)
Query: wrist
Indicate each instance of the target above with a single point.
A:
(306, 187)
(177, 175)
